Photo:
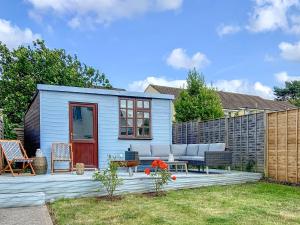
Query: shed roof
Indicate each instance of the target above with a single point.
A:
(95, 91)
(236, 100)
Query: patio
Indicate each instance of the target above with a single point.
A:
(37, 190)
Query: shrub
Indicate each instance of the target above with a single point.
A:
(161, 175)
(109, 178)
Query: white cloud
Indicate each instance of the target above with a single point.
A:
(79, 12)
(270, 15)
(227, 29)
(141, 85)
(284, 76)
(13, 36)
(290, 51)
(245, 87)
(180, 60)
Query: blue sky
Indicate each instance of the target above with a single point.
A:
(240, 46)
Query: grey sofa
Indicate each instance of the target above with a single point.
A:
(201, 155)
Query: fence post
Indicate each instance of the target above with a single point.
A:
(186, 131)
(266, 144)
(276, 145)
(286, 145)
(297, 153)
(1, 125)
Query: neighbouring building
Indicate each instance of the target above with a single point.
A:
(98, 122)
(233, 103)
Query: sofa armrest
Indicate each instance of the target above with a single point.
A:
(218, 158)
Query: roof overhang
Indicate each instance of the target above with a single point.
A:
(79, 90)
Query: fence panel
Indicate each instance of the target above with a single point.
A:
(283, 157)
(243, 135)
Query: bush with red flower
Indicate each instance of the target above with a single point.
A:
(160, 174)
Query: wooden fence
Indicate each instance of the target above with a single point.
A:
(243, 135)
(283, 140)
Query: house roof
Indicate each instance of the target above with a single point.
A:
(96, 91)
(235, 100)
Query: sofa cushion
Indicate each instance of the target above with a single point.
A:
(142, 149)
(160, 150)
(193, 158)
(202, 148)
(192, 150)
(151, 158)
(178, 149)
(217, 147)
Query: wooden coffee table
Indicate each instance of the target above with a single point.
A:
(182, 164)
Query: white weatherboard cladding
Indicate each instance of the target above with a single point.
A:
(55, 122)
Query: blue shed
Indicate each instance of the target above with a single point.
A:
(98, 122)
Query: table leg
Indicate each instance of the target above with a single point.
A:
(130, 171)
(186, 169)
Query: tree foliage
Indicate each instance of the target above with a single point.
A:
(21, 69)
(291, 92)
(198, 101)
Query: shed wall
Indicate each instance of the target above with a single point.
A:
(55, 122)
(32, 127)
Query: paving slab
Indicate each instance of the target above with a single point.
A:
(37, 215)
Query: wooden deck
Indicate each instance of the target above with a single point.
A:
(37, 190)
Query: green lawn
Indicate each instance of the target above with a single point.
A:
(257, 203)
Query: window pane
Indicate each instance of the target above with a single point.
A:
(123, 131)
(139, 122)
(146, 115)
(130, 113)
(123, 122)
(146, 131)
(123, 103)
(129, 104)
(82, 122)
(139, 114)
(146, 105)
(123, 113)
(130, 131)
(130, 122)
(140, 104)
(146, 122)
(140, 131)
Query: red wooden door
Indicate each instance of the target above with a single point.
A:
(84, 133)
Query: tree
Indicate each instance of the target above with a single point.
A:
(21, 69)
(291, 92)
(198, 101)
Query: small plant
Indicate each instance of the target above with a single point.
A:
(250, 165)
(161, 175)
(109, 178)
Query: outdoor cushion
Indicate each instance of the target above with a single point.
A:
(160, 150)
(178, 149)
(142, 149)
(151, 158)
(192, 150)
(202, 148)
(217, 147)
(194, 158)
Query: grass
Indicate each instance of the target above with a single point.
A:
(256, 203)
